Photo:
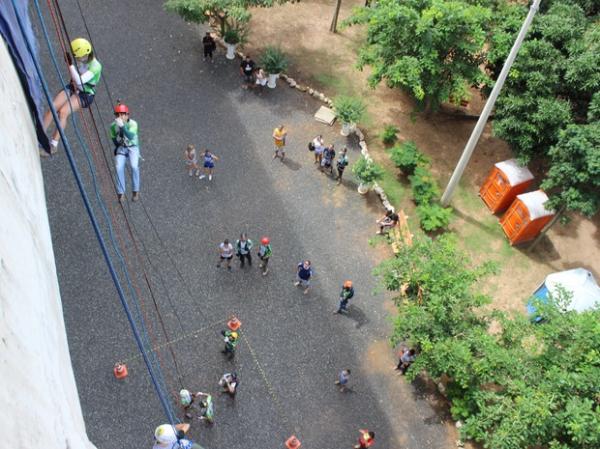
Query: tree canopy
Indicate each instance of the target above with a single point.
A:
(429, 48)
(514, 383)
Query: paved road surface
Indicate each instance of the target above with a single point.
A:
(293, 345)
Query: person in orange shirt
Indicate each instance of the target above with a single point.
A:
(279, 135)
(365, 440)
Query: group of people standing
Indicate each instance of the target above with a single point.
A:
(325, 156)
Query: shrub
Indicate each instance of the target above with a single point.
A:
(433, 216)
(367, 171)
(407, 157)
(424, 188)
(349, 109)
(273, 60)
(232, 37)
(388, 135)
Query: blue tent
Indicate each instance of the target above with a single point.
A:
(579, 282)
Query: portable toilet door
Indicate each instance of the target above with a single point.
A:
(526, 217)
(506, 180)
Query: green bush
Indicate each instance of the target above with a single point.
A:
(232, 37)
(424, 188)
(367, 171)
(273, 60)
(434, 217)
(407, 157)
(388, 135)
(349, 109)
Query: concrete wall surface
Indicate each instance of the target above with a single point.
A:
(39, 405)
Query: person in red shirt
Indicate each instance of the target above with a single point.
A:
(365, 440)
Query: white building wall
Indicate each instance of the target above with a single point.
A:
(39, 405)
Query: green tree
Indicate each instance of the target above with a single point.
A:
(515, 384)
(228, 14)
(553, 78)
(429, 48)
(573, 181)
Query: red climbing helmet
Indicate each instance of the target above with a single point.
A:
(121, 108)
(265, 240)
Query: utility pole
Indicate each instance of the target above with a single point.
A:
(489, 105)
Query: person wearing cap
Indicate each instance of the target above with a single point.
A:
(231, 341)
(85, 74)
(345, 295)
(365, 440)
(124, 134)
(264, 254)
(167, 436)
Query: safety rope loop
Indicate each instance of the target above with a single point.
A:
(162, 396)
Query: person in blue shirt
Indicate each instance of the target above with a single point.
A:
(304, 274)
(209, 164)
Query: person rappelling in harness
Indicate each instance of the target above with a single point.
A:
(231, 341)
(85, 75)
(124, 134)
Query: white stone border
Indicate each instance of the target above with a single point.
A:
(364, 150)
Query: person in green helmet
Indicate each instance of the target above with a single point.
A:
(85, 75)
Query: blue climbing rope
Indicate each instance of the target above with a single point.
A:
(161, 394)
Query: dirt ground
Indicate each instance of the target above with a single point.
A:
(327, 62)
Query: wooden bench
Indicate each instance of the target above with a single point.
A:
(400, 233)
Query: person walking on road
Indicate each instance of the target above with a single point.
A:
(319, 147)
(341, 164)
(365, 440)
(247, 70)
(229, 382)
(225, 254)
(231, 341)
(79, 93)
(279, 136)
(303, 275)
(124, 134)
(328, 157)
(209, 164)
(264, 254)
(345, 295)
(191, 160)
(209, 45)
(207, 407)
(243, 246)
(343, 379)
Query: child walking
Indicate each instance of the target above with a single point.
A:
(209, 164)
(191, 161)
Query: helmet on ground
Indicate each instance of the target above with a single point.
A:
(265, 240)
(165, 434)
(234, 335)
(121, 108)
(81, 47)
(347, 284)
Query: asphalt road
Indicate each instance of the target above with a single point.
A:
(293, 345)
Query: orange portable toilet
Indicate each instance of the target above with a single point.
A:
(506, 180)
(526, 217)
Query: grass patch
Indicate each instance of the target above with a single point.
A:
(394, 190)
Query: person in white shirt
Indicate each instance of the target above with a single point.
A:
(225, 254)
(319, 146)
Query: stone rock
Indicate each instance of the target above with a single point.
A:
(458, 424)
(360, 134)
(387, 205)
(301, 88)
(311, 91)
(365, 153)
(321, 97)
(283, 76)
(362, 144)
(378, 190)
(293, 83)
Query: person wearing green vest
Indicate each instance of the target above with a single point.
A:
(124, 134)
(85, 76)
(264, 254)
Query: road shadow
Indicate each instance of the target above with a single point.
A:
(291, 164)
(357, 315)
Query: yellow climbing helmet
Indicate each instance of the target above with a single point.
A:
(81, 47)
